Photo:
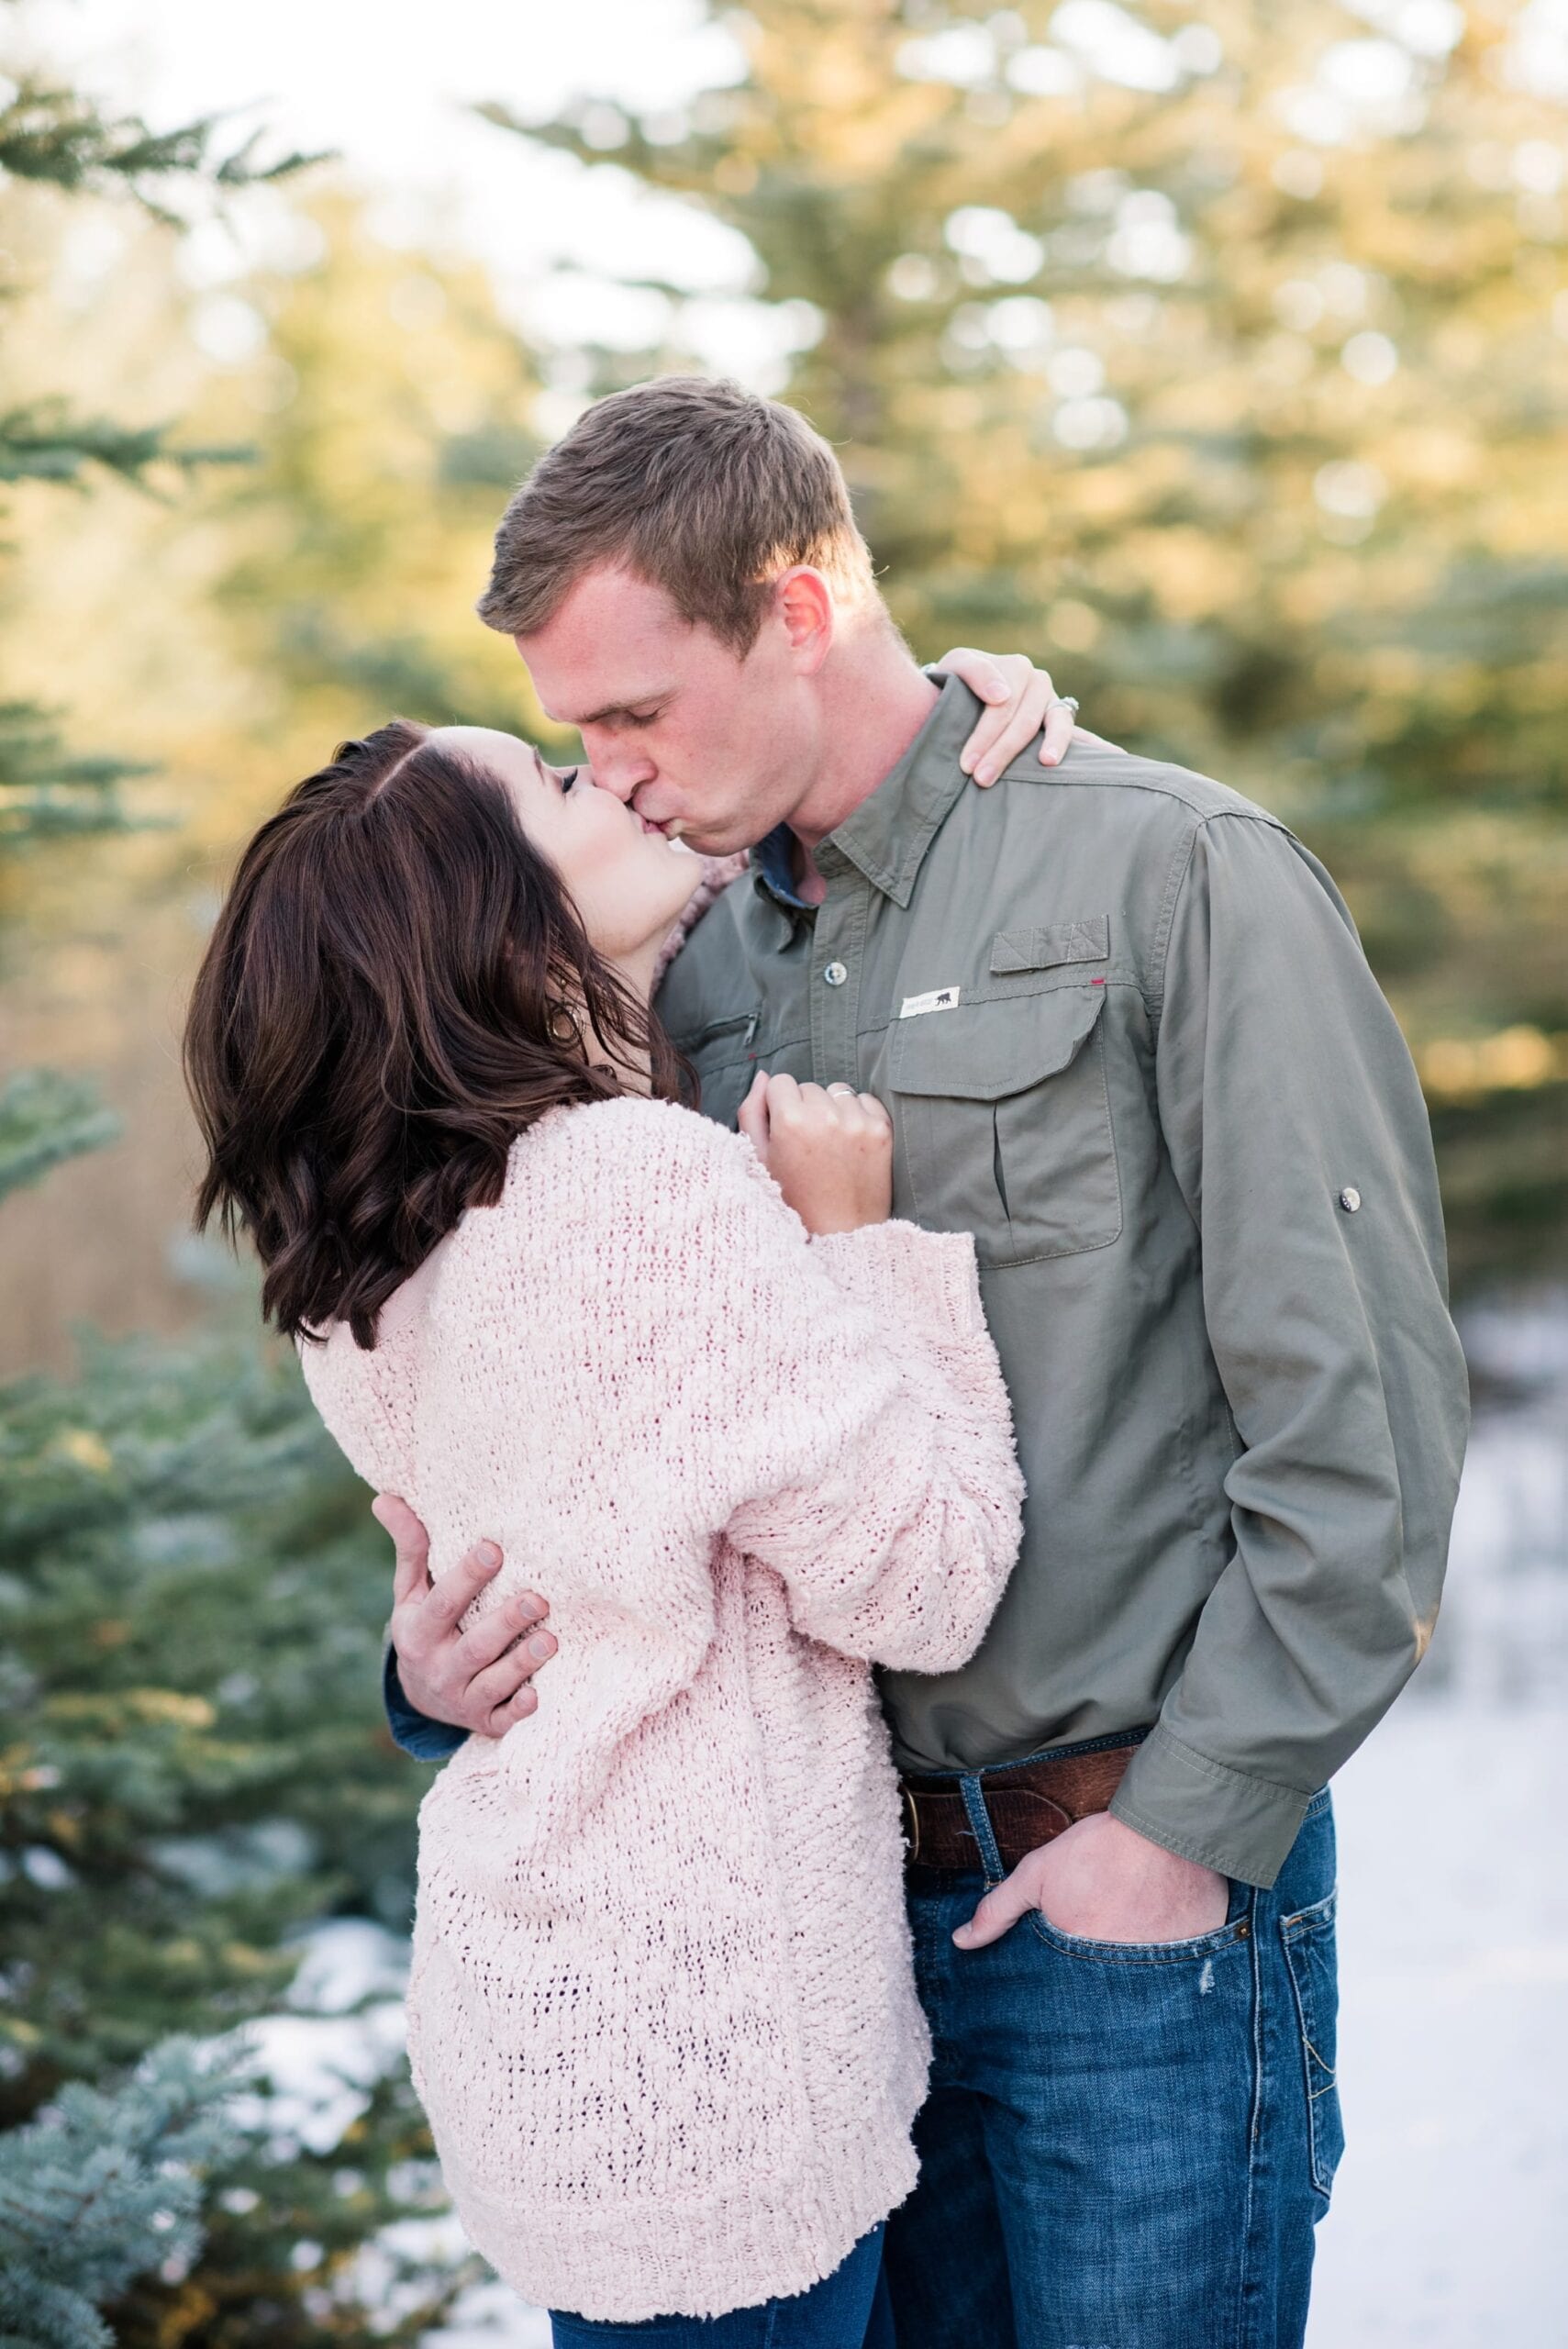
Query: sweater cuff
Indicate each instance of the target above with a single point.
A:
(906, 1274)
(1201, 1810)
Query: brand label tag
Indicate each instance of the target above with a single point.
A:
(939, 999)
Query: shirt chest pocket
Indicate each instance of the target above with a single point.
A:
(1006, 1124)
(725, 1062)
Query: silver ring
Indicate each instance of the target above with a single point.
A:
(1063, 701)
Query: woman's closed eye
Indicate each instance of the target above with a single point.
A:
(568, 776)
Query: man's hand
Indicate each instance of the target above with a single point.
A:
(1104, 1882)
(477, 1679)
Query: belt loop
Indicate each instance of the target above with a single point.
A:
(980, 1827)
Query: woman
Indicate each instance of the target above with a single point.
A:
(661, 2011)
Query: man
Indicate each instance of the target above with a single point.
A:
(1124, 1025)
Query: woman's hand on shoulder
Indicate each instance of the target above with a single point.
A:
(1021, 702)
(829, 1147)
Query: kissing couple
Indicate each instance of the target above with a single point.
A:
(943, 1307)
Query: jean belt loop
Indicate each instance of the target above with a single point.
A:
(980, 1827)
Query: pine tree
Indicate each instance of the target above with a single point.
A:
(1234, 386)
(191, 1764)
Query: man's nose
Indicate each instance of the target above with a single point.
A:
(618, 767)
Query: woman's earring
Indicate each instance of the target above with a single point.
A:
(563, 1028)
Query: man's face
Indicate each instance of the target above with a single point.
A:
(674, 722)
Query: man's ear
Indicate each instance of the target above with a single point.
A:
(803, 602)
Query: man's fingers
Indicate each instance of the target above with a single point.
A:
(494, 1634)
(409, 1540)
(489, 1690)
(516, 1709)
(997, 1913)
(455, 1593)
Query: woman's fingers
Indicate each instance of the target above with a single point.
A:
(1004, 682)
(1018, 725)
(752, 1119)
(985, 673)
(1030, 706)
(989, 676)
(1061, 725)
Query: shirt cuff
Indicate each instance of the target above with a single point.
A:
(416, 1732)
(1201, 1810)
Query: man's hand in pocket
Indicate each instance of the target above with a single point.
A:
(1104, 1882)
(477, 1679)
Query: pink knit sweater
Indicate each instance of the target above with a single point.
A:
(661, 2013)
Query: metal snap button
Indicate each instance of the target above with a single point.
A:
(835, 975)
(1349, 1198)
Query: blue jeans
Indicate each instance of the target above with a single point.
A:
(847, 2310)
(1125, 2146)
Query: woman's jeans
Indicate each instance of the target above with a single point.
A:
(1126, 2145)
(847, 2310)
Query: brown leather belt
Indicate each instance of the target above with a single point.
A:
(1027, 1803)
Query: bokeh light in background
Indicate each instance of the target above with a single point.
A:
(391, 91)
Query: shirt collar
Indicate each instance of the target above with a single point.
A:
(886, 837)
(773, 861)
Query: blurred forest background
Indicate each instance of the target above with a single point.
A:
(1217, 354)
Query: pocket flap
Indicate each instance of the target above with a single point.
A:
(983, 1052)
(1088, 941)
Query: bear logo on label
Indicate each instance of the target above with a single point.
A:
(939, 999)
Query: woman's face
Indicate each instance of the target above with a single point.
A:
(628, 883)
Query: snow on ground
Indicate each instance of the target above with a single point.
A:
(1447, 2225)
(1450, 2213)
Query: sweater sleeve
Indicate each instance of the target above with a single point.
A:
(834, 1407)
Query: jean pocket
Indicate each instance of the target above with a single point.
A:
(1310, 1961)
(1231, 1935)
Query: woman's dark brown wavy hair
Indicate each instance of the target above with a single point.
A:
(378, 1017)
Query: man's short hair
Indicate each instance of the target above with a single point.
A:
(702, 488)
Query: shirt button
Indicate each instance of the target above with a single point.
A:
(1350, 1199)
(834, 976)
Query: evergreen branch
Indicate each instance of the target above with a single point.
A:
(45, 441)
(102, 2188)
(47, 793)
(45, 1119)
(60, 136)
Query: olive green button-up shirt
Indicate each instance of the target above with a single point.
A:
(1129, 1038)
